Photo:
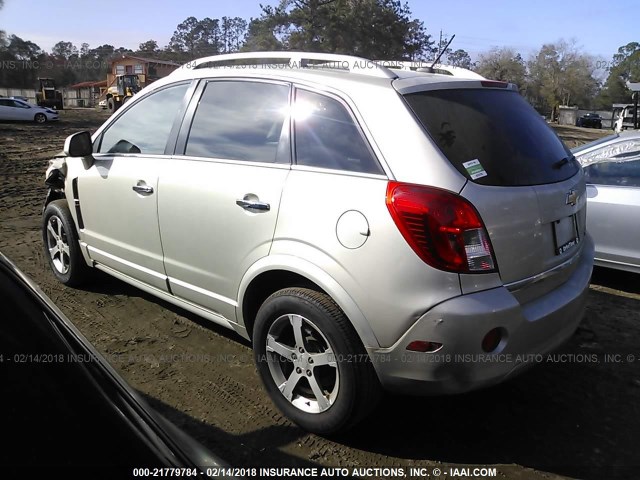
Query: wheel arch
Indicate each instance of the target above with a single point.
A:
(274, 273)
(53, 194)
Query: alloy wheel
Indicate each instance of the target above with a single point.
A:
(57, 244)
(302, 363)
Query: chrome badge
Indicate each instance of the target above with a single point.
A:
(572, 197)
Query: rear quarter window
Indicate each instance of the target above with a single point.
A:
(493, 137)
(327, 136)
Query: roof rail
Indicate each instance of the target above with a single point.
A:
(294, 60)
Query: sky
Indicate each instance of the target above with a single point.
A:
(598, 27)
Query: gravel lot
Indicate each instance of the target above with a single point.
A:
(577, 417)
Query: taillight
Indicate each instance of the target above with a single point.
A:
(494, 84)
(441, 227)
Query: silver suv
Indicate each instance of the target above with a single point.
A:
(366, 227)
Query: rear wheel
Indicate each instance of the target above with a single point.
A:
(61, 244)
(311, 361)
(40, 118)
(111, 105)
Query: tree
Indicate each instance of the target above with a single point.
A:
(150, 47)
(186, 36)
(380, 29)
(209, 36)
(122, 51)
(503, 64)
(20, 59)
(210, 39)
(2, 32)
(625, 67)
(23, 50)
(460, 58)
(64, 50)
(559, 74)
(265, 33)
(232, 33)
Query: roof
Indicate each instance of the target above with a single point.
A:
(101, 83)
(314, 67)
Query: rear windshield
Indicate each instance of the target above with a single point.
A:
(493, 137)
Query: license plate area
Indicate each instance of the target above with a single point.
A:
(565, 234)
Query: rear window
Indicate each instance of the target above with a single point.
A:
(493, 137)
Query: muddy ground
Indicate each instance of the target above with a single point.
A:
(575, 418)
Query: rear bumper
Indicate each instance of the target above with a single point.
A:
(530, 330)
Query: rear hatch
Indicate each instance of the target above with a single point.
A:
(524, 182)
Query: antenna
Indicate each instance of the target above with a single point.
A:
(443, 50)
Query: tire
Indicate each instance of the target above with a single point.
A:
(327, 379)
(40, 118)
(61, 245)
(111, 105)
(125, 100)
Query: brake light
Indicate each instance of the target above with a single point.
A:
(443, 228)
(494, 84)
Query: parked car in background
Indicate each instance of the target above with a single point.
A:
(12, 109)
(589, 120)
(20, 97)
(612, 172)
(57, 388)
(350, 219)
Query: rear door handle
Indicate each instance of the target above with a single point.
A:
(142, 188)
(253, 205)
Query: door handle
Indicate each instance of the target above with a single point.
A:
(142, 188)
(253, 205)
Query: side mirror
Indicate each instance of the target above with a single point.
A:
(78, 145)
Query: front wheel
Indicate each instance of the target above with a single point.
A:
(40, 118)
(61, 244)
(312, 362)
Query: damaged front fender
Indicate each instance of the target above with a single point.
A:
(54, 179)
(56, 172)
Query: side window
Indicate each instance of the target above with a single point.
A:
(617, 164)
(327, 136)
(237, 120)
(146, 126)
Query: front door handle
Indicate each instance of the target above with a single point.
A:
(253, 205)
(142, 188)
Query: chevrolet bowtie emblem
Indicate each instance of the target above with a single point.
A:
(572, 197)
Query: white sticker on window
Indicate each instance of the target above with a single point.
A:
(474, 169)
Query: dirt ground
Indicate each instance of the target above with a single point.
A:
(569, 418)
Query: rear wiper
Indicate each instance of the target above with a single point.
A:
(562, 162)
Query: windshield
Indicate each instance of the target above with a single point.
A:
(130, 81)
(493, 137)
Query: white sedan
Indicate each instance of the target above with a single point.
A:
(612, 172)
(14, 109)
